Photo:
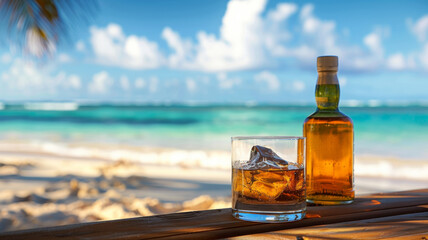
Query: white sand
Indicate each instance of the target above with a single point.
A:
(41, 190)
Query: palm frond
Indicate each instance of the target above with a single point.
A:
(37, 26)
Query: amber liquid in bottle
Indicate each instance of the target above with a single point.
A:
(329, 144)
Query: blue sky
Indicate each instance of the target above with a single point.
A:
(230, 51)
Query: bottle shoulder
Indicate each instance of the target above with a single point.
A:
(328, 116)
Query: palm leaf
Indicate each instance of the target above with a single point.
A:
(37, 26)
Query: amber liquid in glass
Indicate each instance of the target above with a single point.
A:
(268, 190)
(329, 147)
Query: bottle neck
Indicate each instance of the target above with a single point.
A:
(327, 92)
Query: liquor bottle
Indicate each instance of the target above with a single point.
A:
(329, 142)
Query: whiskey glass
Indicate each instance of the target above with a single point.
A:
(268, 178)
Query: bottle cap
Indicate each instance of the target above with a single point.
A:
(327, 63)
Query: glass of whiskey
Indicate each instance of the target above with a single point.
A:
(268, 179)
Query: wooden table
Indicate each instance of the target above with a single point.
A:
(399, 215)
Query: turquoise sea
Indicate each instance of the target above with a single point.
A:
(393, 131)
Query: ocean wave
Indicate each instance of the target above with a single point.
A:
(214, 159)
(97, 120)
(52, 106)
(377, 166)
(381, 104)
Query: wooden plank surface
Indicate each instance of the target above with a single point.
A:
(220, 223)
(407, 226)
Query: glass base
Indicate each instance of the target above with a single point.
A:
(329, 202)
(269, 217)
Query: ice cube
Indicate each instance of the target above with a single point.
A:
(300, 180)
(268, 185)
(294, 180)
(293, 166)
(265, 191)
(269, 176)
(242, 181)
(265, 158)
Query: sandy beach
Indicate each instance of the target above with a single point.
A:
(40, 189)
(43, 187)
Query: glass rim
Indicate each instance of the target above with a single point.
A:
(267, 138)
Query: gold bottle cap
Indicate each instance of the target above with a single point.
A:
(327, 63)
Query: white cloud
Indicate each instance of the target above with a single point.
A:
(323, 32)
(74, 82)
(319, 37)
(101, 83)
(22, 75)
(139, 83)
(249, 38)
(420, 28)
(354, 58)
(304, 54)
(396, 62)
(373, 42)
(400, 62)
(239, 44)
(224, 82)
(182, 49)
(298, 86)
(6, 58)
(115, 31)
(245, 36)
(191, 85)
(282, 12)
(269, 80)
(112, 47)
(64, 58)
(275, 34)
(80, 46)
(27, 78)
(124, 83)
(361, 60)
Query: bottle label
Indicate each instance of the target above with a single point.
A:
(321, 100)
